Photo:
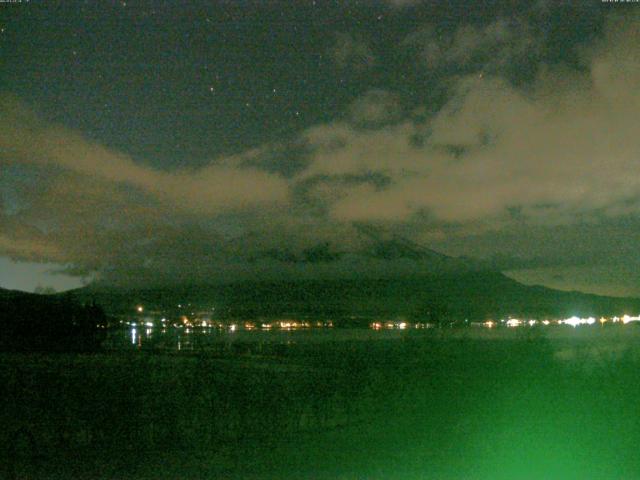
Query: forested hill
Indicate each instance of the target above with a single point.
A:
(49, 322)
(456, 296)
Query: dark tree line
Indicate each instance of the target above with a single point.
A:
(45, 323)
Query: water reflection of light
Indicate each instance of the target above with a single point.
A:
(134, 333)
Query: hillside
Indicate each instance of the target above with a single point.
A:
(455, 296)
(48, 322)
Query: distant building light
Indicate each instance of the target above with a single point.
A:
(575, 321)
(514, 322)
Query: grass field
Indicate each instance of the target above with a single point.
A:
(457, 406)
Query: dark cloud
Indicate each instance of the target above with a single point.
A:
(352, 52)
(375, 109)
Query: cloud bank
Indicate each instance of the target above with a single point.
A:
(495, 155)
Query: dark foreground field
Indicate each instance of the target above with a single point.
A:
(522, 407)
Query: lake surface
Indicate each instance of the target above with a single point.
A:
(194, 339)
(458, 404)
(181, 339)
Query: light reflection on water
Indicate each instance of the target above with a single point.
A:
(185, 339)
(245, 340)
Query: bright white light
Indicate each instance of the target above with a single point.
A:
(627, 318)
(575, 321)
(514, 322)
(149, 324)
(140, 308)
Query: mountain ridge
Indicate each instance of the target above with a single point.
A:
(474, 295)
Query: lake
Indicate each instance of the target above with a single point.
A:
(327, 404)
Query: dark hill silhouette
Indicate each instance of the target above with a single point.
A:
(428, 286)
(473, 295)
(33, 322)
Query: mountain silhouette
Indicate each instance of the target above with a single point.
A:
(34, 322)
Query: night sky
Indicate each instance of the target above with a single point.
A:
(159, 142)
